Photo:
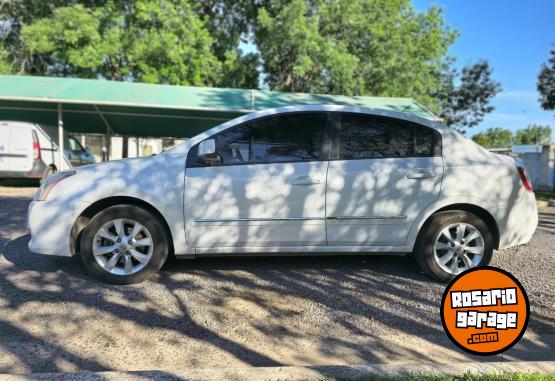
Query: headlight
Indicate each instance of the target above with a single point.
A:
(48, 184)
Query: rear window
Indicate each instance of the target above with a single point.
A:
(369, 137)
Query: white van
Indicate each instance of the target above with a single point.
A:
(30, 150)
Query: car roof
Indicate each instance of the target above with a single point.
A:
(435, 124)
(340, 108)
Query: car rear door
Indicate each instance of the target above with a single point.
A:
(267, 190)
(383, 172)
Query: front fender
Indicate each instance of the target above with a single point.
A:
(157, 180)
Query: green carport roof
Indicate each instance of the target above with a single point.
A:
(138, 109)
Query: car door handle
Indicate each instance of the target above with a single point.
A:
(306, 180)
(420, 175)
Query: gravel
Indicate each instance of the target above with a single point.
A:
(233, 312)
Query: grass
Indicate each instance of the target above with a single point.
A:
(545, 196)
(470, 377)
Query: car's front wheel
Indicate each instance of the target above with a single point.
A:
(452, 242)
(124, 244)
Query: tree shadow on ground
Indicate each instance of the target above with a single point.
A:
(251, 311)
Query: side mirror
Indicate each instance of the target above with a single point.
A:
(207, 152)
(207, 147)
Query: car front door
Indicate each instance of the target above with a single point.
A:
(383, 172)
(266, 188)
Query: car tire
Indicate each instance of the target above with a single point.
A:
(438, 243)
(112, 267)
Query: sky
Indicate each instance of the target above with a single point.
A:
(515, 37)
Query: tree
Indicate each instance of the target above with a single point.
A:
(379, 47)
(494, 138)
(161, 42)
(546, 83)
(466, 104)
(229, 22)
(158, 42)
(533, 134)
(13, 16)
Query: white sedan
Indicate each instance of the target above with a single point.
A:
(299, 179)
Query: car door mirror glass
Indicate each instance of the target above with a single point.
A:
(207, 152)
(207, 147)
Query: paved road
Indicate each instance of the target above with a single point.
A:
(242, 312)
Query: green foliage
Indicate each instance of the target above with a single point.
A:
(227, 21)
(533, 134)
(71, 35)
(494, 138)
(297, 57)
(13, 16)
(546, 84)
(466, 104)
(5, 67)
(166, 42)
(157, 42)
(545, 196)
(239, 70)
(370, 47)
(502, 138)
(473, 377)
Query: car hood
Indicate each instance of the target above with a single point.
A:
(144, 177)
(113, 164)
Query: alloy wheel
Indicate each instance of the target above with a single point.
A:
(123, 246)
(458, 247)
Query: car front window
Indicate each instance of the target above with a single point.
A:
(282, 138)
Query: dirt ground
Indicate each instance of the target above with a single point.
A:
(242, 311)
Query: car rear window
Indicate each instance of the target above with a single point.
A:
(369, 137)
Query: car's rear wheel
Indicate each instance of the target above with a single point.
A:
(124, 244)
(452, 242)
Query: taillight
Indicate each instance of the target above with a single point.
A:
(36, 147)
(525, 179)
